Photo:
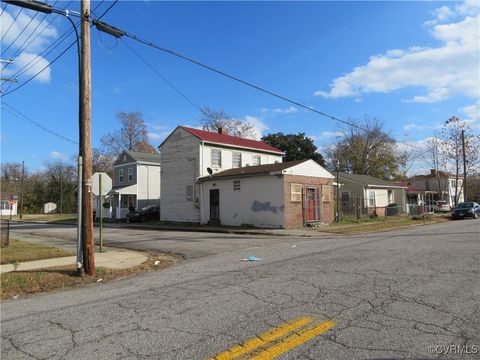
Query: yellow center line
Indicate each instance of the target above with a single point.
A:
(293, 341)
(263, 339)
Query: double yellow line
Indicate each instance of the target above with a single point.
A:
(277, 341)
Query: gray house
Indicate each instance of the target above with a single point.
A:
(368, 195)
(136, 182)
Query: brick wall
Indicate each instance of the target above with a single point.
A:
(294, 210)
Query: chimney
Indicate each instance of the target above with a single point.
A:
(220, 130)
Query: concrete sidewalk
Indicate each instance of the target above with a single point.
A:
(111, 258)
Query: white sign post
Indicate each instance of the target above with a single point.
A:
(101, 184)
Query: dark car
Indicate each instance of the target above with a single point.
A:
(151, 212)
(466, 209)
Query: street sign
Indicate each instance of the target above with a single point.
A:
(106, 183)
(11, 202)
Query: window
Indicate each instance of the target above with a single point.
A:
(216, 158)
(427, 185)
(120, 175)
(295, 192)
(237, 159)
(326, 193)
(345, 197)
(189, 193)
(390, 196)
(371, 198)
(236, 184)
(453, 183)
(256, 160)
(130, 174)
(5, 206)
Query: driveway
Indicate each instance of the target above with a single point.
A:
(410, 293)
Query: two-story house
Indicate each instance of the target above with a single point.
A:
(210, 177)
(188, 154)
(136, 182)
(443, 184)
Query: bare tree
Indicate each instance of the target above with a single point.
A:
(132, 135)
(451, 136)
(212, 120)
(366, 149)
(102, 162)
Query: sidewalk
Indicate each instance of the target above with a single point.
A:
(111, 258)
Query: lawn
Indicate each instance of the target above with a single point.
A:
(20, 251)
(18, 283)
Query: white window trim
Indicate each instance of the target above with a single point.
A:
(130, 174)
(236, 153)
(120, 175)
(219, 158)
(256, 156)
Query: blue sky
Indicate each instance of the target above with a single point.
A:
(413, 64)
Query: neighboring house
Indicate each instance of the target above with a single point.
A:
(188, 153)
(136, 182)
(442, 185)
(368, 195)
(279, 195)
(414, 196)
(4, 205)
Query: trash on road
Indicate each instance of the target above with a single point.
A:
(99, 280)
(251, 258)
(157, 263)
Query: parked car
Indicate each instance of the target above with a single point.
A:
(441, 206)
(150, 212)
(466, 209)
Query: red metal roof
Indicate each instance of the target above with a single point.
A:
(216, 138)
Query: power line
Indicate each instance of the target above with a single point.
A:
(21, 32)
(60, 40)
(163, 78)
(6, 32)
(24, 117)
(118, 33)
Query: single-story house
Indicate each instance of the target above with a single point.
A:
(365, 195)
(414, 196)
(279, 195)
(5, 208)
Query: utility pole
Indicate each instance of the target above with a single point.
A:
(85, 140)
(21, 189)
(61, 189)
(464, 168)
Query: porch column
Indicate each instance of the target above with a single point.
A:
(119, 208)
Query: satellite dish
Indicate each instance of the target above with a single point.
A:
(210, 171)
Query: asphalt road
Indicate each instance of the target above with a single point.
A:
(409, 293)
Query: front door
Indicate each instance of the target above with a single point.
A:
(312, 204)
(214, 205)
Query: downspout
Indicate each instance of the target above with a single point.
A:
(202, 213)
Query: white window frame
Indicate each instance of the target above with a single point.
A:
(216, 162)
(120, 175)
(256, 160)
(130, 174)
(372, 198)
(236, 159)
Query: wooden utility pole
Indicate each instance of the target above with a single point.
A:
(85, 140)
(464, 168)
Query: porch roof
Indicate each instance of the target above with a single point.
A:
(124, 190)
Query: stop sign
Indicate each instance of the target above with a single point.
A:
(106, 183)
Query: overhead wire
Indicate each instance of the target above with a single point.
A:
(249, 84)
(11, 24)
(20, 33)
(40, 56)
(169, 83)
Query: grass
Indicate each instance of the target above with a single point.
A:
(17, 283)
(45, 217)
(380, 224)
(20, 251)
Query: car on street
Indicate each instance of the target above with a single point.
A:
(466, 209)
(441, 206)
(150, 212)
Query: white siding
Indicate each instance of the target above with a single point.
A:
(227, 160)
(259, 202)
(309, 168)
(179, 157)
(148, 187)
